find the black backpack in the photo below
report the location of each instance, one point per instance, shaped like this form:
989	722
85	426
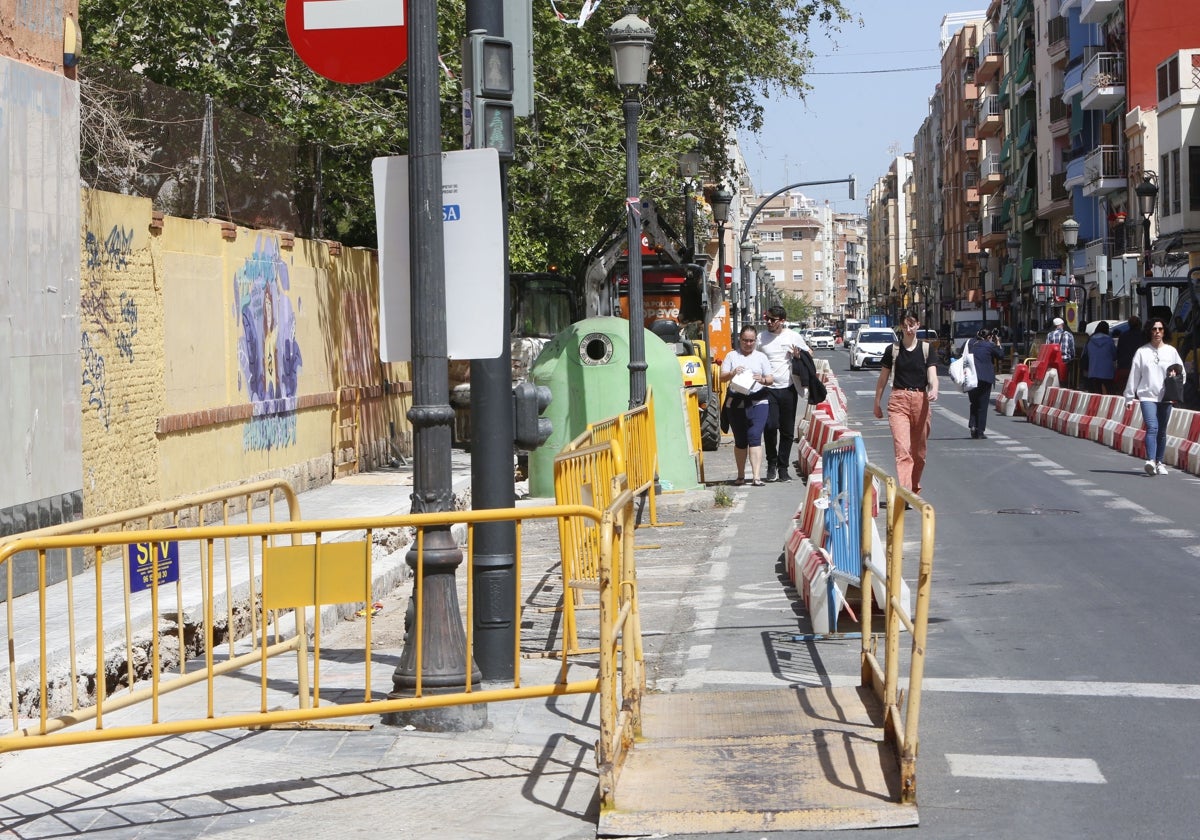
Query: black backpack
806	371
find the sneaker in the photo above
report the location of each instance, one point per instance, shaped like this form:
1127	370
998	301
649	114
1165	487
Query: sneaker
772	475
1150	468
783	476
1160	468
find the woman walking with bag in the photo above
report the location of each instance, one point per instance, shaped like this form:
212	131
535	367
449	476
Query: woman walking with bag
986	353
747	370
911	368
1152	365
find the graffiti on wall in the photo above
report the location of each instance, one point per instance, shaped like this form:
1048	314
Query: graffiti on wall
105	321
269	357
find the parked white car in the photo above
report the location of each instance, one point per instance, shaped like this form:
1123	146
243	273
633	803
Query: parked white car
820	339
868	349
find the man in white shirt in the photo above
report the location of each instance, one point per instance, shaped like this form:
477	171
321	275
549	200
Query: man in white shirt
780	343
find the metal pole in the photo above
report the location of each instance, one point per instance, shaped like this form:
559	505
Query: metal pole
444	649
689	220
493	574
637	319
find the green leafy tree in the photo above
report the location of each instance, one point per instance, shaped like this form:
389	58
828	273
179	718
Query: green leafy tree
798	308
567	181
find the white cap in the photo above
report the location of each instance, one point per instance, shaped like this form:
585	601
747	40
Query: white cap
1058	322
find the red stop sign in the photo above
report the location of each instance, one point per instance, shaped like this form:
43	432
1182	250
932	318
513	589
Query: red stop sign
349	41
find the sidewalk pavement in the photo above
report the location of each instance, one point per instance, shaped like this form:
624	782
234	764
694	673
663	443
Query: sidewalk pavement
529	773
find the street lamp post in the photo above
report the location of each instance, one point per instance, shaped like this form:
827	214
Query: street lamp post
1070	235
752	293
719	202
746	253
982	256
689	169
926	289
630	39
1147	196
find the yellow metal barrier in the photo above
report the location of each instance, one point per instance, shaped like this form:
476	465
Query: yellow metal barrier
583	476
317	572
899	725
694	440
634	430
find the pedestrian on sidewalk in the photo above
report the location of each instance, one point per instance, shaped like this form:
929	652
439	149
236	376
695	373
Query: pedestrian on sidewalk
1147	381
911	368
780	343
1100	360
747	412
1065	340
985	350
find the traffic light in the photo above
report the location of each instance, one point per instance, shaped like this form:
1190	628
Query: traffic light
529	429
488	70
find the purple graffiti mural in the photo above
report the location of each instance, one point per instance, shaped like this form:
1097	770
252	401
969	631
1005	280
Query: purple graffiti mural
269	357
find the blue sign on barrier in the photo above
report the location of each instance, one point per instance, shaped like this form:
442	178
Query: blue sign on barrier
141	564
843	465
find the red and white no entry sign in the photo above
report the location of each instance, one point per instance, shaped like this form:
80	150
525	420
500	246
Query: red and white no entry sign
349	41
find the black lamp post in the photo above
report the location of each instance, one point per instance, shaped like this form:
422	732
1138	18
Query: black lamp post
982	256
631	39
719	202
1147	196
752	294
1070	235
926	290
746	254
689	169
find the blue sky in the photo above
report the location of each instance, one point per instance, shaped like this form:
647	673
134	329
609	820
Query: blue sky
850	119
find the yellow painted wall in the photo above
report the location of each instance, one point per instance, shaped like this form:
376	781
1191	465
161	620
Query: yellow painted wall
218	354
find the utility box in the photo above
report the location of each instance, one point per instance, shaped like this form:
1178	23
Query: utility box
586	368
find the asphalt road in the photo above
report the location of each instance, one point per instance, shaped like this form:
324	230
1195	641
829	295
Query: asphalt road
1061	681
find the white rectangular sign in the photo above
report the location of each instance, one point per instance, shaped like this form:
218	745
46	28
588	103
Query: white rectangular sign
473	226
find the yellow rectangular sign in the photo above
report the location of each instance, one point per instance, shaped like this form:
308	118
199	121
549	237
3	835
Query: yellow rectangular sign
309	575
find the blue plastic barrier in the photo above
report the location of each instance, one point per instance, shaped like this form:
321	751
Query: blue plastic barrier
843	464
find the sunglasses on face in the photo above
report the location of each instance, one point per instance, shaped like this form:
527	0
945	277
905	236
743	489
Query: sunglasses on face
1156	329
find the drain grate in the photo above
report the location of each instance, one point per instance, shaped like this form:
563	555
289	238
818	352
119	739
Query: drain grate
1037	511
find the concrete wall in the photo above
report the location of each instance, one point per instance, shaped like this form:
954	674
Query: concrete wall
214	354
31	31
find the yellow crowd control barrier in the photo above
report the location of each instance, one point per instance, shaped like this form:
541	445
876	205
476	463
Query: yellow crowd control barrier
314	569
587	475
695	442
900	724
634	431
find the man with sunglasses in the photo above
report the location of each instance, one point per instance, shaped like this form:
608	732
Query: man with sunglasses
780	343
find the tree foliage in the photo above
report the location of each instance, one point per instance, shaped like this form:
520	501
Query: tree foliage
799	309
712	62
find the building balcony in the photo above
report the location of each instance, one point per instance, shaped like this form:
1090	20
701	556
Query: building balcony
1072	83
1058	38
1104	171
991	116
991	174
1075	173
1060	196
1097	11
995	231
971	187
1060	116
970	91
1104	81
987	60
970	141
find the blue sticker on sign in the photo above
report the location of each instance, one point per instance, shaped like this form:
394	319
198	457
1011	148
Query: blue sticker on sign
141	564
451	213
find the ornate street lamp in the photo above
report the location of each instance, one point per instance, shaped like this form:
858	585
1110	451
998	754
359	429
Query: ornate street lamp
1147	196
756	282
746	253
631	39
689	170
1070	235
719	201
982	256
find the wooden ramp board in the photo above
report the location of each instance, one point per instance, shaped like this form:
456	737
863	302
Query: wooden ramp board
778	760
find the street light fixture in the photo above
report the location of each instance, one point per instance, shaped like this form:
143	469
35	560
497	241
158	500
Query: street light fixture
982	256
1147	196
1070	235
719	201
755	275
746	254
689	169
630	39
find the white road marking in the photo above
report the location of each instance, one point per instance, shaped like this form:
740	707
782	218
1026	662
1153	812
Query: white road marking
1097	491
1019	449
1059	472
352	14
1026	768
1193	550
1032	456
1065	688
1151	519
1124	504
1079	482
1176	533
